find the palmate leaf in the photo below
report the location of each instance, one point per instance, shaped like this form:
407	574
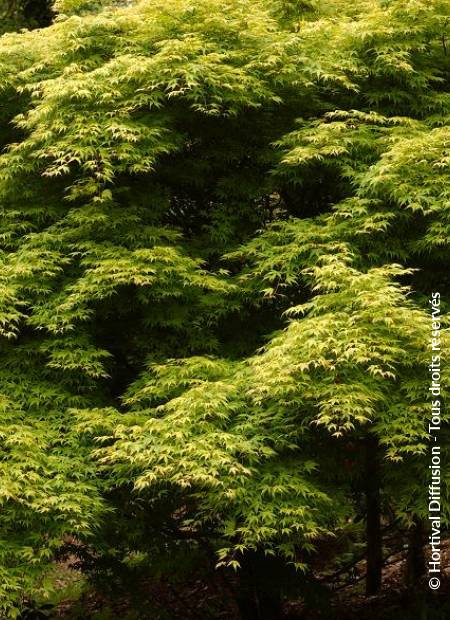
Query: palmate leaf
217	425
202	210
47	484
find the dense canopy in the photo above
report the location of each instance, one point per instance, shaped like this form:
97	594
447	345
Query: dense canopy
220	225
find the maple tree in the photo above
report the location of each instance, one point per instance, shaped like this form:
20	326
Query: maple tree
220	225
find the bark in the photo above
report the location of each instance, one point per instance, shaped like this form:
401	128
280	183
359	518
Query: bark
259	595
416	567
416	600
373	519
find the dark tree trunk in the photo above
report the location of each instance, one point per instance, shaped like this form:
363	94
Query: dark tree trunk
416	567
415	596
373	519
259	596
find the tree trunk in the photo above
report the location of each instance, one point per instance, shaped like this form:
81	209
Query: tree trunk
415	564
259	595
373	519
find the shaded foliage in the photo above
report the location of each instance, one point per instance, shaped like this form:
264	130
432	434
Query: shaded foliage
219	227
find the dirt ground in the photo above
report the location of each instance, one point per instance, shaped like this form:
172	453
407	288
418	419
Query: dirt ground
199	599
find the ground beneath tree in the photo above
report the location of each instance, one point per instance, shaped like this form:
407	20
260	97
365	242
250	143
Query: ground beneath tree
202	599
